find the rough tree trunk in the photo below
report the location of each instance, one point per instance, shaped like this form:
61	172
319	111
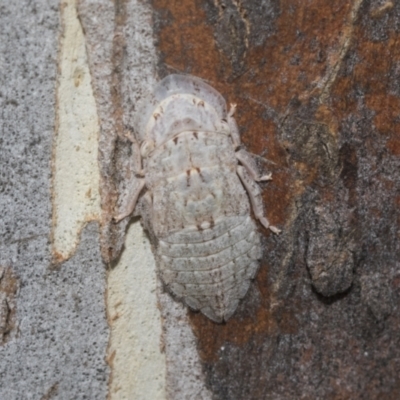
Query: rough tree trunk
317	85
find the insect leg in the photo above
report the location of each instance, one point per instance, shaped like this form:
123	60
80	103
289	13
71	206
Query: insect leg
255	198
128	208
235	135
248	162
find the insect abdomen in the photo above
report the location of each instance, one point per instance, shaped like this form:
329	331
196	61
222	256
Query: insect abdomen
212	268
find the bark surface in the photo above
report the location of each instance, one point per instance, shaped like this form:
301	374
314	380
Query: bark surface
317	86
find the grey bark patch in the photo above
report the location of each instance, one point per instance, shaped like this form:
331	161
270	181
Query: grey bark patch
378	19
312	142
329	251
63	332
62	328
376	294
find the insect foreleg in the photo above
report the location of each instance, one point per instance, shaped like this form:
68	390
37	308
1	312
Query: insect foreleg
130	206
255	198
235	135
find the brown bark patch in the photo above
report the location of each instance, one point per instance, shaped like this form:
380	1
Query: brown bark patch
185	41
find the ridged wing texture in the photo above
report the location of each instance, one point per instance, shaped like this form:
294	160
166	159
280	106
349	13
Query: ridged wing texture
193	181
211	269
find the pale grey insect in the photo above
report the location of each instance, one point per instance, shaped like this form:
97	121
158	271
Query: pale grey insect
196	176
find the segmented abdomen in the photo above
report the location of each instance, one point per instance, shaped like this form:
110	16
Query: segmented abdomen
211	269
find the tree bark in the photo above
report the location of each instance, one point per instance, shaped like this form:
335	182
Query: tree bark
318	95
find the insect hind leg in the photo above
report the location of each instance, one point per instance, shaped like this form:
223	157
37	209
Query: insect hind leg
247	160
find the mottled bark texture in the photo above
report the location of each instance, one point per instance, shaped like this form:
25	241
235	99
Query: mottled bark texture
318	94
53	328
